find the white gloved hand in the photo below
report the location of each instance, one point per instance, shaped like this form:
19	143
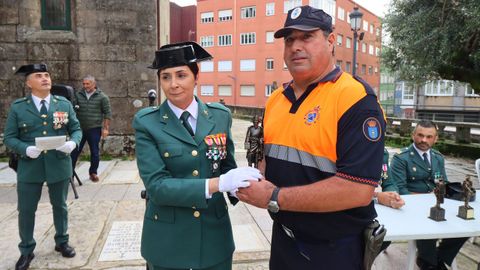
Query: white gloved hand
33	152
238	178
67	147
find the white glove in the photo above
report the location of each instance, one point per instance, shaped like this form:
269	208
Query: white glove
67	147
238	178
33	152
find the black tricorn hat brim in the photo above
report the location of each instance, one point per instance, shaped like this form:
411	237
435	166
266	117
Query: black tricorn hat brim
454	191
179	54
33	68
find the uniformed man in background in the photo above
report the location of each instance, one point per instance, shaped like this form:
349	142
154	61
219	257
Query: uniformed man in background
41	114
416	169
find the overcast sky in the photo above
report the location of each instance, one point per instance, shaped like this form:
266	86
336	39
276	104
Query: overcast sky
378	7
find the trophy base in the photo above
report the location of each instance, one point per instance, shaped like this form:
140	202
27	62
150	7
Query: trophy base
465	212
437	213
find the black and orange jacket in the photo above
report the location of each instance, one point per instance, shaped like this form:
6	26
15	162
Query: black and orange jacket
335	128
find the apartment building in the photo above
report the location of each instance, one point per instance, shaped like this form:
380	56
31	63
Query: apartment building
248	62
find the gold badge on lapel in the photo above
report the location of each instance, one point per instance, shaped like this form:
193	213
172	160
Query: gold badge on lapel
217	149
60	119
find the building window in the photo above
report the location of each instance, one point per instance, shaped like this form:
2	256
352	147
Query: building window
348	17
268	89
329	6
377	51
365	25
225	90
206	90
370	49
406	89
269	38
469	91
224	66
339	63
206	66
247	65
364	47
247	90
225	40
370	70
378	31
225	15
269	64
439	88
290	4
247	38
206	41
270	9
341	14
206	17
348	43
56	15
339	40
348	66
364	69
248	12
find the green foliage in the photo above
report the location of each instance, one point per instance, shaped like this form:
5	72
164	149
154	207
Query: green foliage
432	39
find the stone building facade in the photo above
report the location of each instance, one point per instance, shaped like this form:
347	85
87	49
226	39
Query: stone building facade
113	40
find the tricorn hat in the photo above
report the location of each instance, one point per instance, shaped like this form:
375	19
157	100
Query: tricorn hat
455	191
33	68
179	54
305	18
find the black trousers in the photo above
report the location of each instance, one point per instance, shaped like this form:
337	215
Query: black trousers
446	251
286	253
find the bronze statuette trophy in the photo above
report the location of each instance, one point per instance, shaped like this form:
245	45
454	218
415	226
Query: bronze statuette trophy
437	213
254	142
466	211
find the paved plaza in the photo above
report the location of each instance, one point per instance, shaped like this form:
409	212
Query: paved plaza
106	221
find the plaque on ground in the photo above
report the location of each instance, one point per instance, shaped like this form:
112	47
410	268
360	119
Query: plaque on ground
123	242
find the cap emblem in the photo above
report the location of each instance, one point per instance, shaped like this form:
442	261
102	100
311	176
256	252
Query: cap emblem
296	13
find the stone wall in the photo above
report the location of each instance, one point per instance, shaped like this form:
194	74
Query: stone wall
113	40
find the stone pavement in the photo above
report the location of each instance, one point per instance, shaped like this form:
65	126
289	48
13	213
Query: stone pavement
105	222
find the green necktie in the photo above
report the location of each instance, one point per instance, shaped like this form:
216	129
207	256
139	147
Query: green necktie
425	159
184	120
43	109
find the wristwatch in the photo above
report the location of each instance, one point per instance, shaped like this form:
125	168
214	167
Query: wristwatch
273	204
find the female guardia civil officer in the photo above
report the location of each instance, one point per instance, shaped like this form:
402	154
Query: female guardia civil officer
185	155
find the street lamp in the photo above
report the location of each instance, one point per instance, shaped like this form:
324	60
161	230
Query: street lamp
355	22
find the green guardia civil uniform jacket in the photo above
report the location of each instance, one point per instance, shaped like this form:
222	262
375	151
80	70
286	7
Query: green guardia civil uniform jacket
412	175
181	228
25	123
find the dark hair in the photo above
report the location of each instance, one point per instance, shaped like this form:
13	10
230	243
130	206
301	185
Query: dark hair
425	124
192	66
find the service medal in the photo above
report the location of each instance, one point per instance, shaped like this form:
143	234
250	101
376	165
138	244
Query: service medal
60	119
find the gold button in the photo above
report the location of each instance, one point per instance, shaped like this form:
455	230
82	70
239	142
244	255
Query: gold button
45	151
166	154
44	123
155	217
44	132
195	173
194	153
196	214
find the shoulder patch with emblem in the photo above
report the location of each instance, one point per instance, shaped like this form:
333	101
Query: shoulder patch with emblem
372	129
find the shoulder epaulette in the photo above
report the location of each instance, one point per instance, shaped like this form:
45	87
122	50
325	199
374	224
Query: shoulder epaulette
147	110
216	105
19	100
402	151
436	152
62	98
